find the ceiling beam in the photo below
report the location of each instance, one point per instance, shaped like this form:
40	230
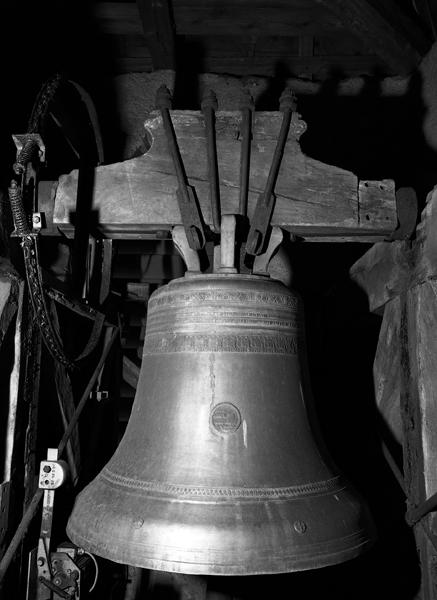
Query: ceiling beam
321	67
383	37
158	31
417	35
117	18
290	19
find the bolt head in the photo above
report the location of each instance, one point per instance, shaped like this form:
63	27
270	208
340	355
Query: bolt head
300	526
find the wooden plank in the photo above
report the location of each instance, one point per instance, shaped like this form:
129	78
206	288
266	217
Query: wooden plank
158	32
410	26
66	408
383	272
135	46
403	278
422	324
239	55
131	372
426	242
312	197
264	65
16	301
387	270
236	18
419	415
9	295
387	375
380	35
118	18
296	17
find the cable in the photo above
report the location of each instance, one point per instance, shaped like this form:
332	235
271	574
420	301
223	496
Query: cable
96	567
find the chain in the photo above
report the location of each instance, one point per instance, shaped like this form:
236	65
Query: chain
30	149
29	239
29	154
43	100
51	339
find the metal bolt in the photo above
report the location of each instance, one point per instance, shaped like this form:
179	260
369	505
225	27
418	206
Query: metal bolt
36	219
300	526
47	469
41	561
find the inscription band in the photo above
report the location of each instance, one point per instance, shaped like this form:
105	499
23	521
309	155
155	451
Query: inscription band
264	344
170	297
295	491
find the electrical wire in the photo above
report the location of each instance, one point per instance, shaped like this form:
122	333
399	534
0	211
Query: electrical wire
96	566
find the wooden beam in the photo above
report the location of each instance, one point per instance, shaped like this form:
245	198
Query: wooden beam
403	277
409	26
388	270
381	36
419	416
118	18
158	31
387	373
263	65
9	295
313	199
131	372
383	272
293	18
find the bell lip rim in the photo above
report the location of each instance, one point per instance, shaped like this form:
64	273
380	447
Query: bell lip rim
325	559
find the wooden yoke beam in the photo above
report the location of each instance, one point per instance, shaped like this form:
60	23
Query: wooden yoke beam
314	200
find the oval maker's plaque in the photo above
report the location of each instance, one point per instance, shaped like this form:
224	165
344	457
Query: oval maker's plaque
225	418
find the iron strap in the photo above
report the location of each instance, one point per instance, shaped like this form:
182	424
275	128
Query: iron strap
188	205
256	239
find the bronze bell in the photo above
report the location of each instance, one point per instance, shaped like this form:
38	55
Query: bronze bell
220	470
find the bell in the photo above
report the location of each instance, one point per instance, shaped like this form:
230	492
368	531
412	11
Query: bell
221	470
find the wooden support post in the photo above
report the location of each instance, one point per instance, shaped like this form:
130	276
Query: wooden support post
387	373
400	278
419	416
158	31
